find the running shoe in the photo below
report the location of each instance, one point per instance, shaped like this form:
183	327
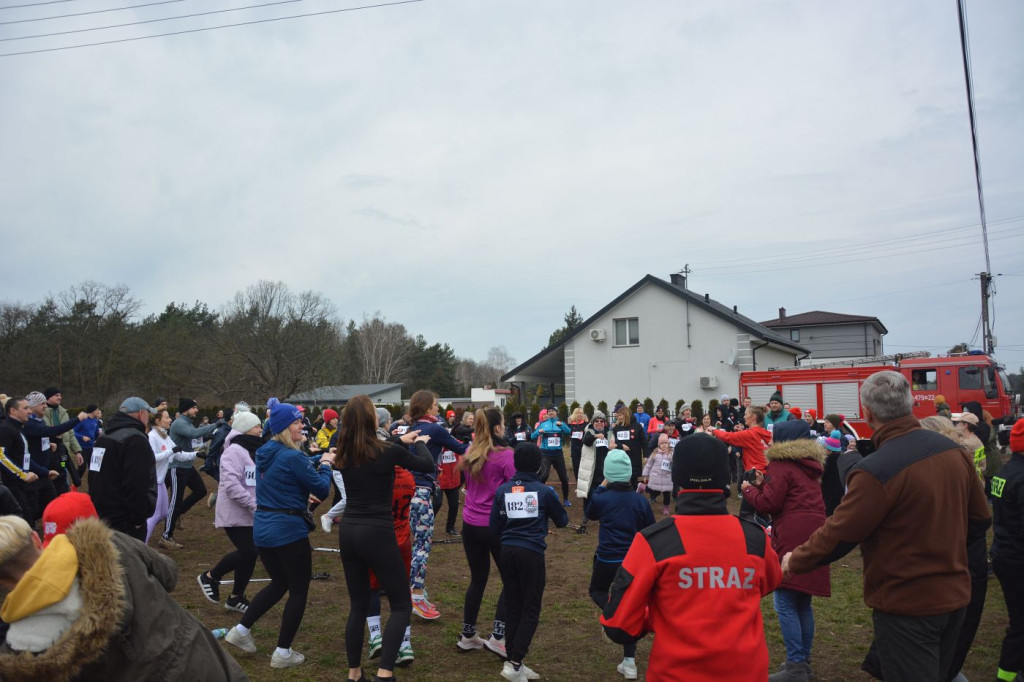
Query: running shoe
210	588
243	642
170	543
325	523
424	609
627	669
566	502
239	604
290	661
453	534
469	643
405	657
376	644
509	672
496	646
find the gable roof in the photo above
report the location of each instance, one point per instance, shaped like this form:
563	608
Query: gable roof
822	317
341	394
709	304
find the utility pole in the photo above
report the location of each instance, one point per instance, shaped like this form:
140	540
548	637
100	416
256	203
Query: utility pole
988	340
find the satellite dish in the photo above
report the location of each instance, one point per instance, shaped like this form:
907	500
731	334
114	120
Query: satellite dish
731	358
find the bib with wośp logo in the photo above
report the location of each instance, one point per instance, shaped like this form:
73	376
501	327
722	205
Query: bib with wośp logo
622	435
447	457
553	442
520	504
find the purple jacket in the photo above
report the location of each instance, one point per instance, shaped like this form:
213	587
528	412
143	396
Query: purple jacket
236	501
499	468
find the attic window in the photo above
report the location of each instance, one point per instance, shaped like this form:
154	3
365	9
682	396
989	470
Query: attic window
794	334
627	331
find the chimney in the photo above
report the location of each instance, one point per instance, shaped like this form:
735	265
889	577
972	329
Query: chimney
707	298
678	279
735	310
782	313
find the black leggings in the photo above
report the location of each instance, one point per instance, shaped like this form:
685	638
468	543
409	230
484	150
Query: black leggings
601	578
242	561
524	575
374	547
666	496
290	568
452	495
558	462
177	504
480	546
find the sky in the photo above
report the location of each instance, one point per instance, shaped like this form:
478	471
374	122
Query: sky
471	169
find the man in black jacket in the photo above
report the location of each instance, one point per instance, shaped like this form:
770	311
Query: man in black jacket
122	472
17	469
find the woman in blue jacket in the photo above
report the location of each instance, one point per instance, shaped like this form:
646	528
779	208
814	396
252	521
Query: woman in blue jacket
284	478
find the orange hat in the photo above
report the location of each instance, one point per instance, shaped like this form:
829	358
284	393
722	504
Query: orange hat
1017	437
449	413
811	411
60	514
795	411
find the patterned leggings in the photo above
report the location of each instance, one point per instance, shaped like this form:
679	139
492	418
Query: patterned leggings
421	521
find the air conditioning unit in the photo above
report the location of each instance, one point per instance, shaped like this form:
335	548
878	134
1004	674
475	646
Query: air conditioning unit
709	382
598	335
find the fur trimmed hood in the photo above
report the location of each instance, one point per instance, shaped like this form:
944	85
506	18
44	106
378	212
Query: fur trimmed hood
805	448
103	607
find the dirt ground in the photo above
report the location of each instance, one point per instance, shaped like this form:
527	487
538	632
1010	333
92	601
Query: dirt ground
568	644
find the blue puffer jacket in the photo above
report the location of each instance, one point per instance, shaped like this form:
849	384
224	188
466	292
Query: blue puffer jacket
548	429
521	511
622	512
284	480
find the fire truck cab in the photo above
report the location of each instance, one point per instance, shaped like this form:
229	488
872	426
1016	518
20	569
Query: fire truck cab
832	388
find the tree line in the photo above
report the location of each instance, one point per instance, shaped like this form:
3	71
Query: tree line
92	341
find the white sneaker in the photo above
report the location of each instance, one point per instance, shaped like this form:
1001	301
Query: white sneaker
627	669
509	672
326	523
279	661
496	646
243	642
469	643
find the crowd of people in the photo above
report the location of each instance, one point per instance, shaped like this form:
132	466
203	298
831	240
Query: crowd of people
917	498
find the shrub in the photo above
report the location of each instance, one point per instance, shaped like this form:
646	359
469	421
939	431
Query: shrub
648	406
588	409
697	409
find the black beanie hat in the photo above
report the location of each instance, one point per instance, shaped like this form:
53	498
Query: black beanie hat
527	457
701	462
51	391
776	397
186	404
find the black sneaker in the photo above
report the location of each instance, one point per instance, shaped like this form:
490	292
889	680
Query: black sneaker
239	604
210	588
453	534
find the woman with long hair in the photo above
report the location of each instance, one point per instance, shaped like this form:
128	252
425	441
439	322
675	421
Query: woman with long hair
488	463
163	452
631	437
577	425
366	534
286	478
423	410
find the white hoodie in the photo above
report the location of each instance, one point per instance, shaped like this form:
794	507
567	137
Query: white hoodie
163	451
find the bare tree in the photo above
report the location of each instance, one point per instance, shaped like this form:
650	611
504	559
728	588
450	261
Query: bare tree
499	359
384	348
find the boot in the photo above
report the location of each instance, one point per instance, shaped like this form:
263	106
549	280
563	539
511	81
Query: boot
790	672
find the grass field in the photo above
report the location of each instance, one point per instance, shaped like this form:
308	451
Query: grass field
568	644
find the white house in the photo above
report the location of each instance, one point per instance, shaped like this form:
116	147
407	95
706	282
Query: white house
658	339
338	396
490	396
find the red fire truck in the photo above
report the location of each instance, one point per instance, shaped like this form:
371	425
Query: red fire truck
834	388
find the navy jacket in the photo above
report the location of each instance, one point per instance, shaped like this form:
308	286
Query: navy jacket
521	511
622	513
36	430
440	439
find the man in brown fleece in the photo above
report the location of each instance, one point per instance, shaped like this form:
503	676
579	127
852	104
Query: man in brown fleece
913	506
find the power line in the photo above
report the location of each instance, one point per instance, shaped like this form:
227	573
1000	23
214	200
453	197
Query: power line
82	14
965	50
154	21
210	28
36	4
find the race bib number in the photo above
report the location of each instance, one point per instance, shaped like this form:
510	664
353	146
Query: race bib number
250	475
522	505
553	442
27	462
622	435
197	443
601	443
97	459
771	428
447	457
687	427
44	443
577	435
672	442
666	465
521	435
401	430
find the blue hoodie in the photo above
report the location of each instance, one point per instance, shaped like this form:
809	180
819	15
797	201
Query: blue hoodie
549	430
521	511
622	512
284	480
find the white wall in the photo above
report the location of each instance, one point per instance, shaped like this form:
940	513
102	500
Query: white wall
661	366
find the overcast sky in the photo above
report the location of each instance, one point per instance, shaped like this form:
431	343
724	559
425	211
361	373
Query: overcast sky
472	169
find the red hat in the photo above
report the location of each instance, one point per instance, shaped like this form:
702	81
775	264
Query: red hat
795	411
450	413
329	414
300	408
64	511
811	411
1017	437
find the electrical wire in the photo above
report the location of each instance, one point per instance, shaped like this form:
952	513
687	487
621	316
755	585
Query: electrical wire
95	11
209	28
36	4
154	21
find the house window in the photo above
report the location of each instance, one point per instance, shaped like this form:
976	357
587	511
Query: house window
627	332
794	334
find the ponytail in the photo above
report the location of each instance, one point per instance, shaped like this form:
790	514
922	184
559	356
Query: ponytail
487	419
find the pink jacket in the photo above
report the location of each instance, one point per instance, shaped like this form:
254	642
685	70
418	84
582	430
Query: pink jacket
236	501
